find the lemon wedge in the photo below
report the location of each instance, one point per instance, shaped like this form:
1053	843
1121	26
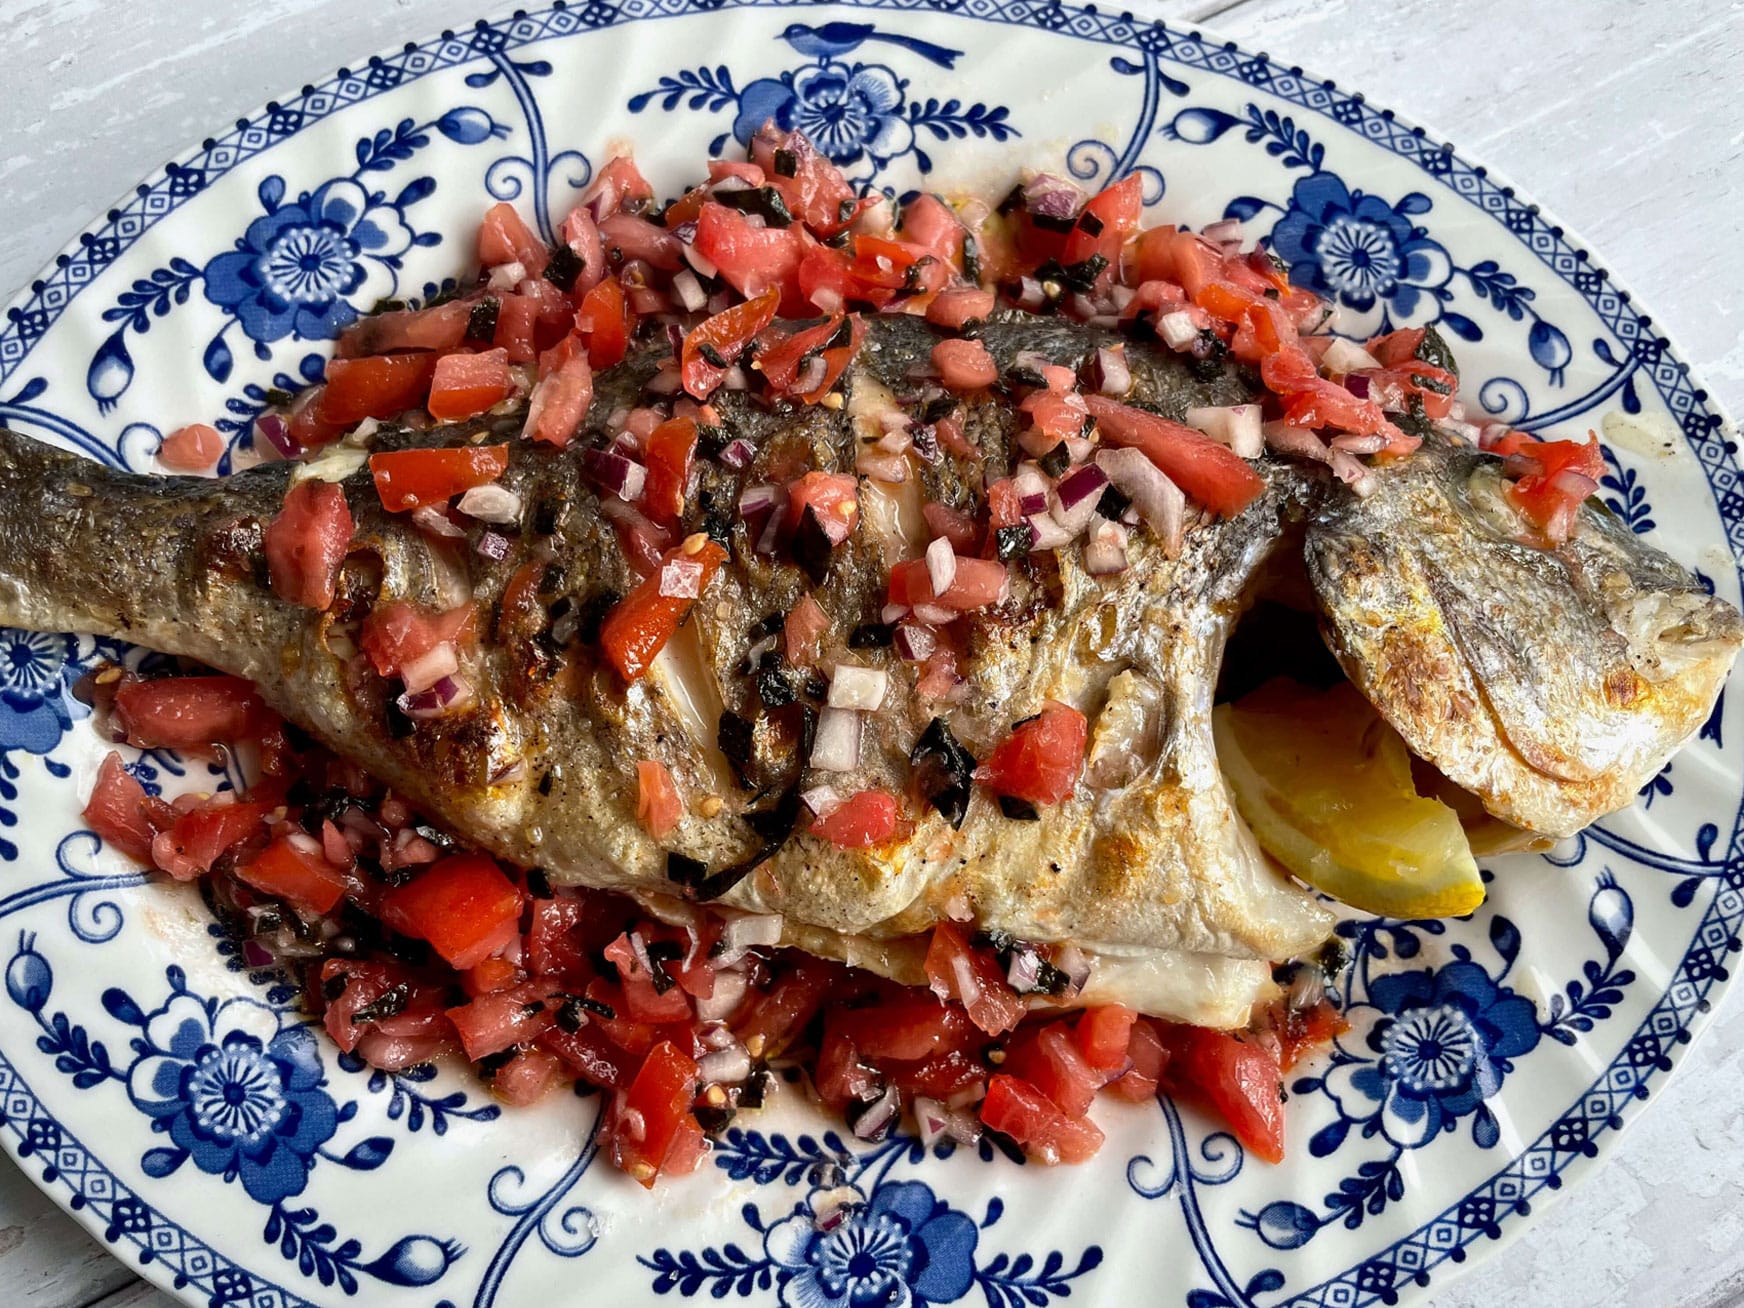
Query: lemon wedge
1326	786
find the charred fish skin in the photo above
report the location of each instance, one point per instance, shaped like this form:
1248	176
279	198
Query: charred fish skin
175	563
1551	683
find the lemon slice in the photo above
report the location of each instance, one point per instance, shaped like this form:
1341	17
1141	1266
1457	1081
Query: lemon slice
1326	786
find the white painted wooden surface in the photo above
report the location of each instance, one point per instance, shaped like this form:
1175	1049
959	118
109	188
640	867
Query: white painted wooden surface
1620	116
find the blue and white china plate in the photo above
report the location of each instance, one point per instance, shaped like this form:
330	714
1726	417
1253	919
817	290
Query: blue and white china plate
177	1103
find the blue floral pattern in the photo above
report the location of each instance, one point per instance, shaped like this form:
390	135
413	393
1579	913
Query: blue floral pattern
35	706
1435	1053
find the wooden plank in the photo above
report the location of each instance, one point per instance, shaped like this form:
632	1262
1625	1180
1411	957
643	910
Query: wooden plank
45	1260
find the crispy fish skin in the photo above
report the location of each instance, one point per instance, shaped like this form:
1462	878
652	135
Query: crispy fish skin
1551	683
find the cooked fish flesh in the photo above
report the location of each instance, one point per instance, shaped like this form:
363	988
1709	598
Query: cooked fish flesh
1548	694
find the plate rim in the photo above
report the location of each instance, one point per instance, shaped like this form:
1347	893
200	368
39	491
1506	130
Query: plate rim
1538	1194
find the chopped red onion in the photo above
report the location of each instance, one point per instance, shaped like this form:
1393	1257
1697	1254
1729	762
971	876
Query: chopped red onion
1159	501
753	930
1049	534
681	579
445	696
759	499
892	613
737	454
430	667
1081	484
1358	385
625	443
730	183
254	954
1222	231
1109	371
811	375
821	801
856	687
1234	425
1024	973
729	991
1052	197
1344	356
1076	964
1464	433
724	1066
1319	318
664	382
1030	294
734	379
896	442
493	545
491	503
836	747
889	468
507	276
915	643
1032	489
941	561
688	290
935	615
1575	485
875	1119
434	519
1177	329
615	473
273	429
1105	550
769	540
1353	444
1306	445
931	1118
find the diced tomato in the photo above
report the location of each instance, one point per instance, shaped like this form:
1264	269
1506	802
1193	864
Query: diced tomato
643	621
504	237
754	260
669	455
660	1096
1039	760
1017	1109
582	235
953	309
1303	1031
1105	223
1236	1078
619	185
114	810
629	237
194	448
964	365
361	985
1148	1057
1104	1034
492	976
939	1077
554	949
833	497
870	817
781	362
644	999
201	834
1550	498
954	525
814	188
1397	347
559	403
604	318
592	1055
838	1074
1208	472
958	972
463	905
1047	1058
724	337
379	386
929	221
527	1077
186	712
1004	503
308	428
517	321
1313	401
492	1023
306	543
293	868
465	385
399	632
909	1025
440	328
410	479
803	632
658	807
788	1007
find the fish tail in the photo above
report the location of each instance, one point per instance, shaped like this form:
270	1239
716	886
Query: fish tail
88	548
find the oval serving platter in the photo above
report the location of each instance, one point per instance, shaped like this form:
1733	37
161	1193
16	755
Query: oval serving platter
176	1102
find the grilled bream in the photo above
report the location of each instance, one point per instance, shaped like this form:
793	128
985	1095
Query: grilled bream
1550	683
1148	865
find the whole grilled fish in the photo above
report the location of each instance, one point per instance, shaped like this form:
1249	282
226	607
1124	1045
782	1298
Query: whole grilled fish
1516	690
